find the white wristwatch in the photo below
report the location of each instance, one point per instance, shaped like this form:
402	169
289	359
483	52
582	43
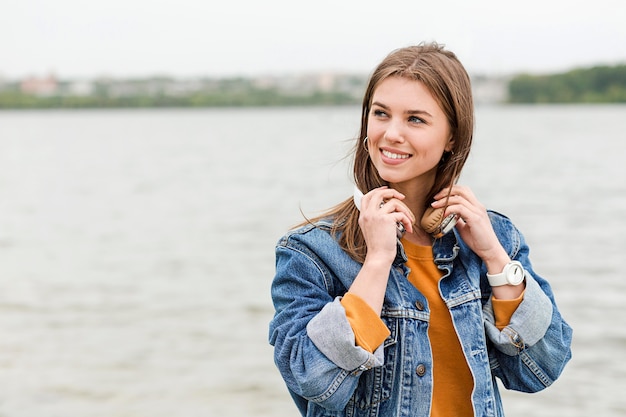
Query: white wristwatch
512	274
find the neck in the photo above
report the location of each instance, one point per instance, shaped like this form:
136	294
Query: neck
415	196
419	237
415	199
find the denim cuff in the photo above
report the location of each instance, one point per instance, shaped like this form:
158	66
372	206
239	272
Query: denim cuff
528	324
332	334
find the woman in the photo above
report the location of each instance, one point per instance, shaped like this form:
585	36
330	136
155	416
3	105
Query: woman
371	321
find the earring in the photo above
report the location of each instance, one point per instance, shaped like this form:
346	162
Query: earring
365	143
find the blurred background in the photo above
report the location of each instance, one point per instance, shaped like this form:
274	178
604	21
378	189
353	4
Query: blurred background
152	153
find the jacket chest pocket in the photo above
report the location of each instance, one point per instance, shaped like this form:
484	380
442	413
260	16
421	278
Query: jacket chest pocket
376	384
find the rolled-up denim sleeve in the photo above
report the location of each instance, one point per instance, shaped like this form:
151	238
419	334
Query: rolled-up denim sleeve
332	334
529	353
314	347
529	322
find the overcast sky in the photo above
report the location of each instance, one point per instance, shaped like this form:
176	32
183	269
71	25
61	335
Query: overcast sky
186	38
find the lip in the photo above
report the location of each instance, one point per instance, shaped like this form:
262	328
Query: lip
394	160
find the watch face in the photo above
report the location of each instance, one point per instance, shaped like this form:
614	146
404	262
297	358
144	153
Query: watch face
515	274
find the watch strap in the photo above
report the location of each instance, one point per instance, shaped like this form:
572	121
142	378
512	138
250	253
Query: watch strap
498	280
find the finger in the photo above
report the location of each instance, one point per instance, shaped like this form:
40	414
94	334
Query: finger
390	193
404	220
451	201
392	212
467	194
468	214
459	202
452	191
442	193
442	198
456	191
380	195
371	199
395	205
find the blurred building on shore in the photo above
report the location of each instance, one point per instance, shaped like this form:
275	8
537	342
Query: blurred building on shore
40	86
486	89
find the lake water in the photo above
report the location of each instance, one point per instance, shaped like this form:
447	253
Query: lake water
137	249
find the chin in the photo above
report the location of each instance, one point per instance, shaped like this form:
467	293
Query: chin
394	177
394	180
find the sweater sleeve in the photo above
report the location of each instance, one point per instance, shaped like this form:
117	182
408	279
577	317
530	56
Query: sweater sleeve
503	310
369	330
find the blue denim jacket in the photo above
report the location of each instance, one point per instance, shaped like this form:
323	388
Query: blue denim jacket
328	375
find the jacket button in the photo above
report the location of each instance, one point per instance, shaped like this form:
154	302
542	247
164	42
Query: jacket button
420	370
419	305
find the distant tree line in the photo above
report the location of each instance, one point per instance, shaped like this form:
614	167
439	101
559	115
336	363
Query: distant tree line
600	84
252	97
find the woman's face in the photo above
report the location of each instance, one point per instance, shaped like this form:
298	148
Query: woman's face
408	133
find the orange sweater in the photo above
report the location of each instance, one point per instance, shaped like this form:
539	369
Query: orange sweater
453	382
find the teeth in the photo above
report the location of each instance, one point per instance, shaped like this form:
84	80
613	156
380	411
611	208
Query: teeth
395	155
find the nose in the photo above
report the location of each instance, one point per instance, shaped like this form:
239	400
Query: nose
394	132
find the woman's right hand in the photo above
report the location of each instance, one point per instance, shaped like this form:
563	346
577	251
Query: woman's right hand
381	210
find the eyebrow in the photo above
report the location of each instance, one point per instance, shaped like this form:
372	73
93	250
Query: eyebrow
420	112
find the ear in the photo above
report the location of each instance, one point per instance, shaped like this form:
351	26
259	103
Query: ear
450	144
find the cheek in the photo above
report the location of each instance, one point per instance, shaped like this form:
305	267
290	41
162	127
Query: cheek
374	137
374	127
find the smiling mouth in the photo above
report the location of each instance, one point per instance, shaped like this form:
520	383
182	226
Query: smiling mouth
392	155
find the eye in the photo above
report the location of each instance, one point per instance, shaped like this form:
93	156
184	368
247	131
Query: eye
415	119
379	113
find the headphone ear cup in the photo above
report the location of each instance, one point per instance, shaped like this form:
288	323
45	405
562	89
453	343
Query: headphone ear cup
431	219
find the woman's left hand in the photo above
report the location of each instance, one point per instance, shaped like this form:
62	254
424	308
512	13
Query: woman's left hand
473	224
476	230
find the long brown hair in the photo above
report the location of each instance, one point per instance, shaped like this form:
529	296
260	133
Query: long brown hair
445	77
